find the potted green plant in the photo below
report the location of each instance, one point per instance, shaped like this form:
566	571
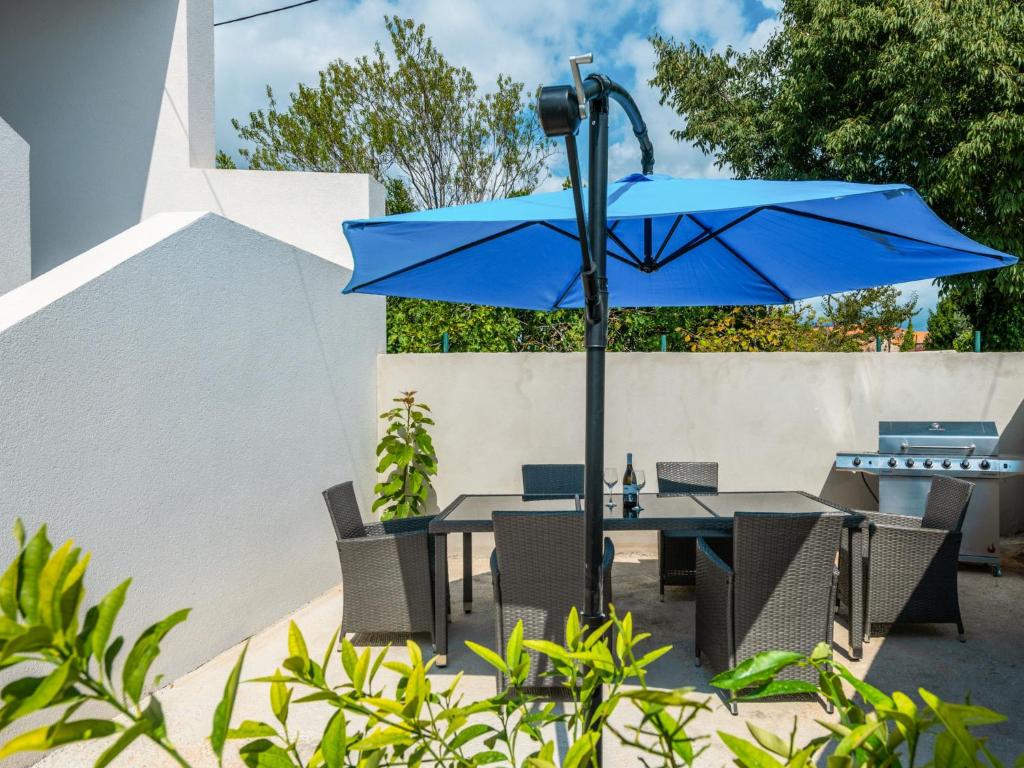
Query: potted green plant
406	454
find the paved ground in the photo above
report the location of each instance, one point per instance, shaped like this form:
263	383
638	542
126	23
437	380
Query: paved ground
988	667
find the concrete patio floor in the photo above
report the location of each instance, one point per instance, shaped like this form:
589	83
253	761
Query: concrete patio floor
988	667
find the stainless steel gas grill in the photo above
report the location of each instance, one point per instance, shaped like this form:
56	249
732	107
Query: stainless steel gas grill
910	453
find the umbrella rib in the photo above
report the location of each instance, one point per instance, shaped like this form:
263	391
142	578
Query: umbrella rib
668	237
877	231
452	252
623	246
701	239
571	236
747	264
565	291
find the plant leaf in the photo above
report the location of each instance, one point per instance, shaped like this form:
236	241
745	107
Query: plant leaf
109	607
33	559
60	733
144	652
750	756
756	669
140	728
226	707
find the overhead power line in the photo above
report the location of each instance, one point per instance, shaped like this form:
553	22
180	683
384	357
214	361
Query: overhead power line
263	13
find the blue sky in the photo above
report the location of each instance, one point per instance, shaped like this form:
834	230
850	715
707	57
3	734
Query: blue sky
530	40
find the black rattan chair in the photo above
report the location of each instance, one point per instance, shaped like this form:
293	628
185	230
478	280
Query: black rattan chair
777	594
386	568
910	568
677	549
538	579
553	481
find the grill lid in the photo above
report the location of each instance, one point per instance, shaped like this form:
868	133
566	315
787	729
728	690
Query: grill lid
975	438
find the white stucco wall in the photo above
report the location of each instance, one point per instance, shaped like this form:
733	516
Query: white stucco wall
772	421
15	221
116	101
175	400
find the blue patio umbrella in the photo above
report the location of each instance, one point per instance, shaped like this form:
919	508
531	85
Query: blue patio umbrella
671	242
650	240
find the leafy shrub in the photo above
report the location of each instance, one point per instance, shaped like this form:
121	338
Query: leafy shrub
874	728
410	723
407	454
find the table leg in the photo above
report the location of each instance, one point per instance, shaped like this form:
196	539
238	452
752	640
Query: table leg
856	593
440	598
467	571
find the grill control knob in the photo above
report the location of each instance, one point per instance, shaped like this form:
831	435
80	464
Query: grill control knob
892	462
928	463
856	461
946	463
965	464
984	464
910	462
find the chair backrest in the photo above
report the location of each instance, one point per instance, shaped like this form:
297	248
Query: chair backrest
540	562
684	477
783	565
946	507
553	480
344	509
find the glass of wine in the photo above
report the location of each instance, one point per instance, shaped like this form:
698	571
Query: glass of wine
611	478
641	481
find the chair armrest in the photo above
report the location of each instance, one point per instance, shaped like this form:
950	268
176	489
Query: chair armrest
714	628
894	550
713	559
494	564
932	537
400	525
385	545
872	519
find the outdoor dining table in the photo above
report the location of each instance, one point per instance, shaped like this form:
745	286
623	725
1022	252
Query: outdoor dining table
700	515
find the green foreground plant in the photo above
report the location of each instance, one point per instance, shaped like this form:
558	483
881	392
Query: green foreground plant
405	721
406	453
873	728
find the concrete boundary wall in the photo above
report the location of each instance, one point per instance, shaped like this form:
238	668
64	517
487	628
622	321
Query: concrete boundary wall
772	420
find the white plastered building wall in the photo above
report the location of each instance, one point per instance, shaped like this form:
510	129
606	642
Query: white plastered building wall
176	389
115	99
15	231
175	400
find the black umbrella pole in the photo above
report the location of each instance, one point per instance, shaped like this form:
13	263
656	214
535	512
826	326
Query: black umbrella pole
596	341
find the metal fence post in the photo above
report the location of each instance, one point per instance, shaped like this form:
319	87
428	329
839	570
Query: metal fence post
977	341
444	341
664	343
878	343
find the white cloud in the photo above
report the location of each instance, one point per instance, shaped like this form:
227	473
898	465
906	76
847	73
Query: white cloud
527	39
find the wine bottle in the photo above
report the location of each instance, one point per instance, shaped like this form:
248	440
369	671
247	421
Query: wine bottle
629	489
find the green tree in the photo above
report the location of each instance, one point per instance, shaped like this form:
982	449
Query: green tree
859	317
422	126
225	161
948	327
908	343
917	91
422	119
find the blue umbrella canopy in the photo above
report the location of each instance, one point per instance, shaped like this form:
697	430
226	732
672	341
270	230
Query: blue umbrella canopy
671	242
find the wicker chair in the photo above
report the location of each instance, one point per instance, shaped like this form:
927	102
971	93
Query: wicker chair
537	578
386	568
553	481
676	549
777	594
910	567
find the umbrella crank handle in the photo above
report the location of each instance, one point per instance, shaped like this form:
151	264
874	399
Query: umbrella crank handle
577	79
